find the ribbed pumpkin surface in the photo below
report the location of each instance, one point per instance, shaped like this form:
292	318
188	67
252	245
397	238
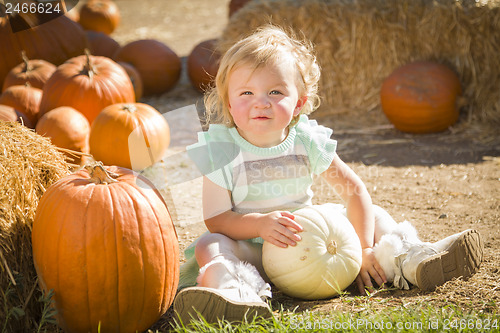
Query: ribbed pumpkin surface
88	84
109	252
130	135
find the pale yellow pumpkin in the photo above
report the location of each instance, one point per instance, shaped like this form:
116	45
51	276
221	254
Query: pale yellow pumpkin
321	265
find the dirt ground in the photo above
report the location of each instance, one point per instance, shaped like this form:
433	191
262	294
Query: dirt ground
443	183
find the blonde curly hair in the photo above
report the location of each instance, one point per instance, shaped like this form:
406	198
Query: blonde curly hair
268	45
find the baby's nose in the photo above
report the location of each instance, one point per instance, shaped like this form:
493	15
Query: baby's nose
263	102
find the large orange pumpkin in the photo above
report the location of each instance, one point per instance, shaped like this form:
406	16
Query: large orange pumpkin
421	97
25	99
133	136
67	128
104	242
34	71
99	15
203	63
159	66
88	84
54	41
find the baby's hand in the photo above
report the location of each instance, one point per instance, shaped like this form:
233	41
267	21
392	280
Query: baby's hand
370	269
278	228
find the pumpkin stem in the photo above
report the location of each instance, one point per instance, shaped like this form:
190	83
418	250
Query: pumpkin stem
129	108
332	247
27	66
89	67
99	175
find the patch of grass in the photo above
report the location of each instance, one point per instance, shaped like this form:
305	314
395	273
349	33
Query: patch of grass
405	318
48	311
14	316
11	312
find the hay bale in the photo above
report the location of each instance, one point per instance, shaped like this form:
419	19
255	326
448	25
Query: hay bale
29	163
359	43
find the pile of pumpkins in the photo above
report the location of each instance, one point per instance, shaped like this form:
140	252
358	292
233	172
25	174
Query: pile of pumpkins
82	91
103	239
71	81
87	104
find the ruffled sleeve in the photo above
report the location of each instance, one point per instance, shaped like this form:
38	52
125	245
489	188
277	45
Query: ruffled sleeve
319	146
214	154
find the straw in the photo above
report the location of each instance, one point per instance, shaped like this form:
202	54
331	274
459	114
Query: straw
29	164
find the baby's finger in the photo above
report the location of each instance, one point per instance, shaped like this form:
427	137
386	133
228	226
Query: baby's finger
376	276
288	214
364	282
289	223
277	243
380	272
281	240
288	231
361	285
367	281
288	236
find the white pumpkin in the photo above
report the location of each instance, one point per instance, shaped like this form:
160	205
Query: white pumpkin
321	265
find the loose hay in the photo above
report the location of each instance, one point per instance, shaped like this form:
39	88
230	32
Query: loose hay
29	163
359	43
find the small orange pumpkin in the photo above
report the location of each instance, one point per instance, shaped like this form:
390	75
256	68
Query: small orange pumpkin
159	66
421	97
8	113
66	128
133	135
235	5
100	15
203	63
88	84
104	242
101	44
24	99
34	71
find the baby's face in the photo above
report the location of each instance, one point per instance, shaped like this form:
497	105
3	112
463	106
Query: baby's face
263	102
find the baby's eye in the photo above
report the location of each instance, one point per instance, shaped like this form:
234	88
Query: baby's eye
275	92
246	93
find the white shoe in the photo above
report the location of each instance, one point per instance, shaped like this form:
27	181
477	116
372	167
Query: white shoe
461	258
235	291
407	260
217	304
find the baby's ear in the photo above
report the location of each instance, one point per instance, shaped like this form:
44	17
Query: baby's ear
300	104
